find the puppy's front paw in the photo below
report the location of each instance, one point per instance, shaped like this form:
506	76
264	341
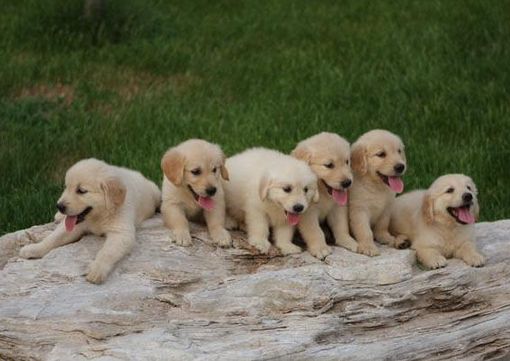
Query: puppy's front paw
262	245
320	252
222	238
182	238
368	249
347	242
402	242
97	273
31	251
289	248
434	262
474	259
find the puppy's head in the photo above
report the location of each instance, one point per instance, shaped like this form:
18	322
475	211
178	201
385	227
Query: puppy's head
451	200
91	190
196	165
379	156
292	188
328	155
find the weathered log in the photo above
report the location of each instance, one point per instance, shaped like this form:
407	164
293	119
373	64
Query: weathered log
166	302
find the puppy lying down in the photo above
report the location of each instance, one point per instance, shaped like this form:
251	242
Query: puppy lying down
440	221
268	189
103	200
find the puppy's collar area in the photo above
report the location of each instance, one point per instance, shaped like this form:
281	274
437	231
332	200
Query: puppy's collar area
462	214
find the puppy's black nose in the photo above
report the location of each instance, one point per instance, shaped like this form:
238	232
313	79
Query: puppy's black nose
210	191
298	208
346	183
61	207
399	168
467	197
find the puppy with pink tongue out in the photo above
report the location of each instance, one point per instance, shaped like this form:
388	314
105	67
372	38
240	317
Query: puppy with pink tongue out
439	221
269	190
192	190
379	162
328	155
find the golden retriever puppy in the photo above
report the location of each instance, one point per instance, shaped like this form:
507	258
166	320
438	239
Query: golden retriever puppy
440	221
192	189
268	189
378	162
103	200
328	155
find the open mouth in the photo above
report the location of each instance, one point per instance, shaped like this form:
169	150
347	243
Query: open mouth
462	214
394	182
340	196
292	218
206	203
72	221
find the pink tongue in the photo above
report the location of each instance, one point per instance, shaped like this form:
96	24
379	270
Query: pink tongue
70	222
206	203
465	216
341	197
292	218
396	184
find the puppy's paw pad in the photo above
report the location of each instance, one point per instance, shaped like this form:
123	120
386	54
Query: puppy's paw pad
222	238
368	249
320	252
30	251
262	246
181	238
475	260
290	248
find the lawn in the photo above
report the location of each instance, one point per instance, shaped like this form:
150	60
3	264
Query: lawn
152	73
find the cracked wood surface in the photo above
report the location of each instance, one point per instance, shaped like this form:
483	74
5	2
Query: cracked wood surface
166	302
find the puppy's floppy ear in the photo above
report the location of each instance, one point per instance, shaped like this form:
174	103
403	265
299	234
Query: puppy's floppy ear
427	208
114	191
172	165
223	169
264	185
359	158
302	152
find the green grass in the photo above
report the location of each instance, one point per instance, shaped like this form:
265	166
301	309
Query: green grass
246	73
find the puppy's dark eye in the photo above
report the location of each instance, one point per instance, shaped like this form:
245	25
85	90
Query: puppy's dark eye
381	154
196	171
214	169
347	162
81	190
469	187
305	189
329	165
287	189
450	190
400	151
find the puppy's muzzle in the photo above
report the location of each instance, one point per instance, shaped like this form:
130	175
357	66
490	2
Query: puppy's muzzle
298	208
61	207
399	168
467	198
346	183
211	191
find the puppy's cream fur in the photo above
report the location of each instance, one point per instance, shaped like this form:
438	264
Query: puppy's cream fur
264	187
119	199
374	156
328	155
190	169
436	234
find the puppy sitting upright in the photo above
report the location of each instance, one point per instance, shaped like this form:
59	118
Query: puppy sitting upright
100	199
192	189
439	221
328	155
269	189
378	162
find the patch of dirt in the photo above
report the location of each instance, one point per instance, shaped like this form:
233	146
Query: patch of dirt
57	92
